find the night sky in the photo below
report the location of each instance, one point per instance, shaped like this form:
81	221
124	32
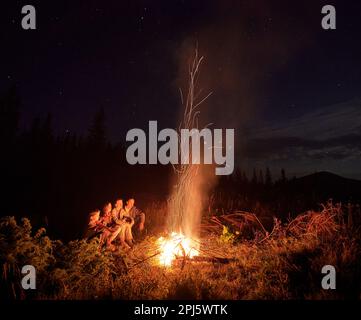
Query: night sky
290	89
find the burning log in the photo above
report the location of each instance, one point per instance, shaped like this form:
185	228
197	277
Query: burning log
208	259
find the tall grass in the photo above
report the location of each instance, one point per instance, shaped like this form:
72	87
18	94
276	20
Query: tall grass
280	262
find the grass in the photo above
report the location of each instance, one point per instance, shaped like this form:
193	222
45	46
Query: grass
286	268
283	263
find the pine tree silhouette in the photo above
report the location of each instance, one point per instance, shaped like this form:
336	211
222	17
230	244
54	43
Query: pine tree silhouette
9	115
283	176
261	178
268	177
244	177
254	177
97	131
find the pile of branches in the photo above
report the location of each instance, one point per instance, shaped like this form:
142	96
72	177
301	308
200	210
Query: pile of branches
321	224
243	224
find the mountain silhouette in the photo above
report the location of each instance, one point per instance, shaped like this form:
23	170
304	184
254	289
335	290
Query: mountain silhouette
324	185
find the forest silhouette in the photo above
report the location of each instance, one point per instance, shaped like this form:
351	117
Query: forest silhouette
56	180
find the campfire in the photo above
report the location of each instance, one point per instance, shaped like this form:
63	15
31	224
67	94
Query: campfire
185	202
174	246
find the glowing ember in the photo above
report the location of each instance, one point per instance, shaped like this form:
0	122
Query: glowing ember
176	245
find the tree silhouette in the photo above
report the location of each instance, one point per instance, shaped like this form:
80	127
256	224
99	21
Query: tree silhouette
244	177
283	176
9	116
97	132
254	177
268	180
261	178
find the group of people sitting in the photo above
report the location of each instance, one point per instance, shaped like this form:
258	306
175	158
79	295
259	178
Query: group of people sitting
116	222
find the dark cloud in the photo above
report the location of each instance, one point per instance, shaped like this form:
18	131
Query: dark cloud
332	132
290	147
326	138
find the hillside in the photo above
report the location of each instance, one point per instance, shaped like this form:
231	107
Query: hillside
323	185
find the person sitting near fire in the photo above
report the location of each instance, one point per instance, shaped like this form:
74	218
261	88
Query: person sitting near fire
136	214
125	223
107	213
98	225
95	226
112	228
118	210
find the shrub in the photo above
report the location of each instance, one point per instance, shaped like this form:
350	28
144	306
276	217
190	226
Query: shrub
18	247
284	263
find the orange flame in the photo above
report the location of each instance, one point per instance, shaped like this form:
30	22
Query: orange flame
176	245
